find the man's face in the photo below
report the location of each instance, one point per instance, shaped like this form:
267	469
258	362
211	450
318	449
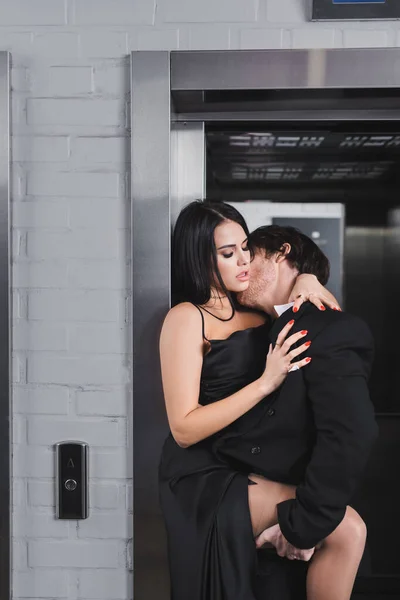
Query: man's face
263	275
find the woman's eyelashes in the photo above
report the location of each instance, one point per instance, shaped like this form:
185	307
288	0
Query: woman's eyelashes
246	249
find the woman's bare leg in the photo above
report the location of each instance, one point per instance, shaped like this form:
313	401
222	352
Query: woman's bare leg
263	499
334	566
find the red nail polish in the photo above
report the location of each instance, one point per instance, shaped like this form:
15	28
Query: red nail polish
304	332
308	359
322	307
307	344
291	322
295	309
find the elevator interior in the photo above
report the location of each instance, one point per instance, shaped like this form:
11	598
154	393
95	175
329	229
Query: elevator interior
316	131
325	165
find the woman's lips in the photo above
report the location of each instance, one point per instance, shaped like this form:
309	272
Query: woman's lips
243	276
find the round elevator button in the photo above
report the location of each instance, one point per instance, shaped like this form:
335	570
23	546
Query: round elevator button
70	485
256	450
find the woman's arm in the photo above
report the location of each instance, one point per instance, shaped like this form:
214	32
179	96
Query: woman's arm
181	352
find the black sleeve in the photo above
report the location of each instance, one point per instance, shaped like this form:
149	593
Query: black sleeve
346	429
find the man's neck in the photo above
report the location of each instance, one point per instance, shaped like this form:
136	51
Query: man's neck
282	299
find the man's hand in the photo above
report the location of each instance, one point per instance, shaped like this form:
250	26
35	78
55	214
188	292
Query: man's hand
274	536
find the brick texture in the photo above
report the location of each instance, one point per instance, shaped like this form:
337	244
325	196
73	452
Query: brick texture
70	253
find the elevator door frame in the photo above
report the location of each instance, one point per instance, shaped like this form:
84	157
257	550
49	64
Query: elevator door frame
160	187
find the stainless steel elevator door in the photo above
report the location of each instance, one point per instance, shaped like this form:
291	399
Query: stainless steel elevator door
372	286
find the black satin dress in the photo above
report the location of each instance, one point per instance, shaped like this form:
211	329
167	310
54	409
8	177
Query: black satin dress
204	498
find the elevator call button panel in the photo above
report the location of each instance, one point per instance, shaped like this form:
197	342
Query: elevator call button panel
72	480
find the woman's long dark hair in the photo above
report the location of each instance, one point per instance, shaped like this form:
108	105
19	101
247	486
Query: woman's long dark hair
194	255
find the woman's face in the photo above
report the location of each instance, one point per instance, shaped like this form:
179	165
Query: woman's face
233	256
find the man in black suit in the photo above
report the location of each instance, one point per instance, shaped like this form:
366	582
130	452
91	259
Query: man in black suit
316	432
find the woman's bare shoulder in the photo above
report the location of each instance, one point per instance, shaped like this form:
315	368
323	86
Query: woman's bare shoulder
184	314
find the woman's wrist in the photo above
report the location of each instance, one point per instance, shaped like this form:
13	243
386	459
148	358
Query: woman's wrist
264	386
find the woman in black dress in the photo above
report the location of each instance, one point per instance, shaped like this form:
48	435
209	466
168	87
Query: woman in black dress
217	366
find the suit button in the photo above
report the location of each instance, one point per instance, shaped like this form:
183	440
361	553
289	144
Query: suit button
271	412
256	450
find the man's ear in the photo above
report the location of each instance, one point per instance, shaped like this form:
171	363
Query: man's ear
283	252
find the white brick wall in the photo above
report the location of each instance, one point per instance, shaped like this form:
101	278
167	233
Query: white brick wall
70	82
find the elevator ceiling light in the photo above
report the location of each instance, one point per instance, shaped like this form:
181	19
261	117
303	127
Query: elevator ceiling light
269	140
307	172
262	173
306	157
343	171
305	140
370	141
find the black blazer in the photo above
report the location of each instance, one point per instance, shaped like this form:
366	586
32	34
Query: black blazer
316	431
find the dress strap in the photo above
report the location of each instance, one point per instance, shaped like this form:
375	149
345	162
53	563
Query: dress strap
202	322
220	318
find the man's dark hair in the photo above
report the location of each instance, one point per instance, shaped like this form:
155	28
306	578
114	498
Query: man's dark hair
304	255
194	255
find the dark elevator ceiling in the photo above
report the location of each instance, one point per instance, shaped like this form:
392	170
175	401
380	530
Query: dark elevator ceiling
348	162
302	155
301	145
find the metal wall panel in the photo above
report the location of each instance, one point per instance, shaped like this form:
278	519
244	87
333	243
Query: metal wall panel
5	362
167	173
150	188
285	69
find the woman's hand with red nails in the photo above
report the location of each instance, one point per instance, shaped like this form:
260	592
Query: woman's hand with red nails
308	288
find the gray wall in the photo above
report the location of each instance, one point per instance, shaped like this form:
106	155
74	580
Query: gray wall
71	341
